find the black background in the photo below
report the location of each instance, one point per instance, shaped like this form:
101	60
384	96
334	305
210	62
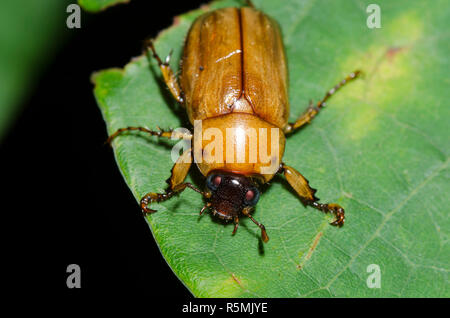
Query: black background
66	201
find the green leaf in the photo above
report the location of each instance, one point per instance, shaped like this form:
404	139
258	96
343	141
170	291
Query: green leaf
99	5
380	149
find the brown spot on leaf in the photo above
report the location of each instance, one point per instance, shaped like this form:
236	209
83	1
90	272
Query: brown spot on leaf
236	280
311	250
313	247
393	51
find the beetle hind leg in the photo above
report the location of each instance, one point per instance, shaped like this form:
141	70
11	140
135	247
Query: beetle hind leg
307	194
168	74
313	110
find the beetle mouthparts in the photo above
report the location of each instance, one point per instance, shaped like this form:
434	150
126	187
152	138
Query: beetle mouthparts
222	215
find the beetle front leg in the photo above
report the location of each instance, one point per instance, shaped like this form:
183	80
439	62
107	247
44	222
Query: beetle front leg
313	110
264	236
236	224
307	194
169	76
160	197
176	183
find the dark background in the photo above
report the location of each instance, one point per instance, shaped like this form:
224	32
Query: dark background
66	201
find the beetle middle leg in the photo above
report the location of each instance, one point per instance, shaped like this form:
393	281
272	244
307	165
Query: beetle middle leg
313	110
169	76
158	133
178	173
307	194
236	224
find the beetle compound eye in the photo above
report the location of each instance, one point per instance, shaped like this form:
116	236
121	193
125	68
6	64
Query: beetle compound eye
217	180
213	181
252	196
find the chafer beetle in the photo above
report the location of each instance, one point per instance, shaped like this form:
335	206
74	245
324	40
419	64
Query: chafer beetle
234	76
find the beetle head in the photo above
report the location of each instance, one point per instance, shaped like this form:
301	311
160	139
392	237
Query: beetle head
230	193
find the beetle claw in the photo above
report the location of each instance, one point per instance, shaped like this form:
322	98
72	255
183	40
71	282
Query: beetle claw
146	200
339	213
145	209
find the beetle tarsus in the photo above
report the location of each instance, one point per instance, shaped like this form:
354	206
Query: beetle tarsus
307	194
312	111
145	202
160	133
264	235
338	86
149	44
334	208
168	74
152	197
339	213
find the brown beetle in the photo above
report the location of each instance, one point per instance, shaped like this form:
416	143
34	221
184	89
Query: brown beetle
234	76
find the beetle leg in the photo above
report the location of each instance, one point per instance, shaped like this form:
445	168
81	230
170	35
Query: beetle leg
236	224
176	185
264	235
160	197
169	76
207	205
159	133
249	3
306	193
313	110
